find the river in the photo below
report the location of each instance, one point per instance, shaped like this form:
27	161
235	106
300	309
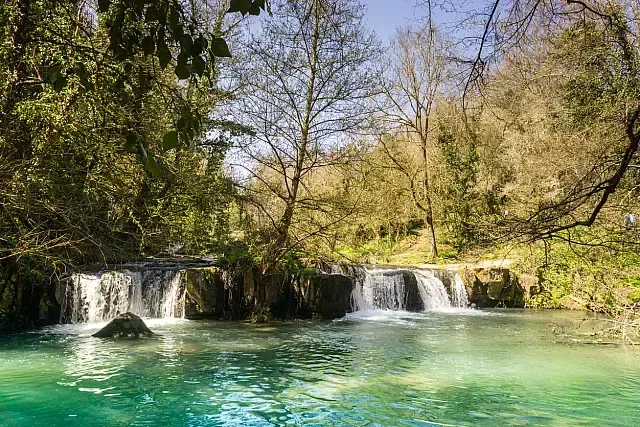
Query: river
375	368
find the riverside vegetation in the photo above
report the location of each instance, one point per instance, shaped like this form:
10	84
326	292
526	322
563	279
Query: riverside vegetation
130	128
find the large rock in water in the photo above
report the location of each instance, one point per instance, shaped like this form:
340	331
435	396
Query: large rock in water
125	325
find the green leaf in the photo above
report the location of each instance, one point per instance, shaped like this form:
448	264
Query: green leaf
81	72
241	6
59	82
198	46
151	14
170	140
131	145
220	48
141	4
52	73
151	165
177	32
182	71
164	56
182	59
174	18
254	10
198	65
103	5
148	45
186	43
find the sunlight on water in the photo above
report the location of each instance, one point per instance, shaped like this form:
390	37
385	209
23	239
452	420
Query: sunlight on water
383	368
408	317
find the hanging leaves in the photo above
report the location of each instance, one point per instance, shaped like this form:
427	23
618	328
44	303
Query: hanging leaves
170	140
248	6
220	48
165	30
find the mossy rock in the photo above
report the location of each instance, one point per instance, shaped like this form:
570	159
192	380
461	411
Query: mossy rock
126	325
492	287
324	296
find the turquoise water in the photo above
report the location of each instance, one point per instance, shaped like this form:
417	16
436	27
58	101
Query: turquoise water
389	369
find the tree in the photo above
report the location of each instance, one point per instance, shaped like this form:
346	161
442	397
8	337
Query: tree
413	80
308	86
608	76
73	117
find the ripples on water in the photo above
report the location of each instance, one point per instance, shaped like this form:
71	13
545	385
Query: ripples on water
376	368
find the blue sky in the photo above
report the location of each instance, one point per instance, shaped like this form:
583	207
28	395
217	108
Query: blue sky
383	16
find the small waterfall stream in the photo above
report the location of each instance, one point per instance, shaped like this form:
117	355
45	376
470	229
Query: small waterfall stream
432	290
403	289
99	297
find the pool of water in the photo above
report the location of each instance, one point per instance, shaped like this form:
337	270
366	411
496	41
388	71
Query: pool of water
480	368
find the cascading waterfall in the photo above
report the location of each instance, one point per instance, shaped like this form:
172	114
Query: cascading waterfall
380	289
398	289
434	294
459	297
91	298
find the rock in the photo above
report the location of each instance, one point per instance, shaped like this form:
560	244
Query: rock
275	292
205	293
493	287
125	325
412	298
530	284
326	296
26	301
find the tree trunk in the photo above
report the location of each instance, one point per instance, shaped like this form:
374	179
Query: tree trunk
433	246
428	209
277	249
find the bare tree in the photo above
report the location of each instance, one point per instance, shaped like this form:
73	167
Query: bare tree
308	87
414	77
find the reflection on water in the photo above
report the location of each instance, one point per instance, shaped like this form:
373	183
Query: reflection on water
383	368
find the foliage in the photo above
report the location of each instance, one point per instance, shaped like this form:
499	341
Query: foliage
90	165
114	143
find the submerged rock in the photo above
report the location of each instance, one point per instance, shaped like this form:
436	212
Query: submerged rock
125	325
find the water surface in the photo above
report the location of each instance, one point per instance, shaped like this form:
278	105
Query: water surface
456	367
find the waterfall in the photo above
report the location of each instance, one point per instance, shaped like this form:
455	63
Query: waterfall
459	296
379	289
403	289
99	297
434	294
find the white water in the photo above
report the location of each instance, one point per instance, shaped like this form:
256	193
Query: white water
459	297
381	289
385	289
95	298
432	290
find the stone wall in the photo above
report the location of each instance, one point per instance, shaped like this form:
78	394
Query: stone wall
213	292
325	296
